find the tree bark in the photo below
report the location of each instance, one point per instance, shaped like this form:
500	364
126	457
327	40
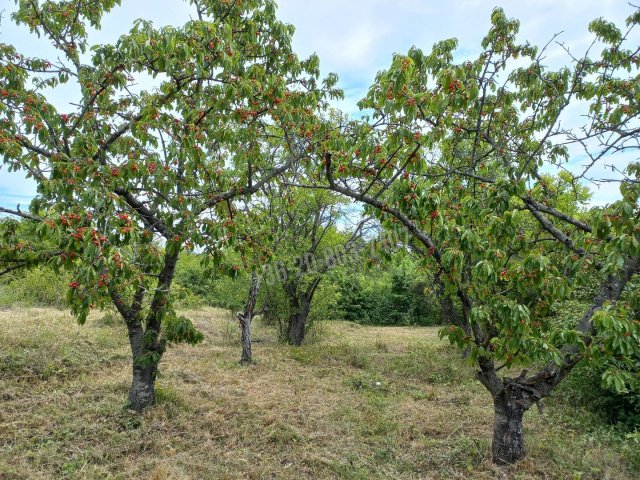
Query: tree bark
245	327
146	346
508	429
298	321
246	317
511	399
142	392
296	329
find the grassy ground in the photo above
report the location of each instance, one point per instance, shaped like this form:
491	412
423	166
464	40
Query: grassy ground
355	403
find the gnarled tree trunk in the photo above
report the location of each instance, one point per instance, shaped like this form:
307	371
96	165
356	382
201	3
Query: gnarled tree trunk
142	393
507	446
297	324
246	317
300	306
512	397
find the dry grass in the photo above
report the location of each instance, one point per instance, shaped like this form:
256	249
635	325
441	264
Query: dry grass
357	403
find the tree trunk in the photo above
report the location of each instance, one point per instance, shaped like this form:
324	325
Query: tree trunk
295	335
300	305
245	326
142	392
511	398
298	322
246	317
508	430
146	346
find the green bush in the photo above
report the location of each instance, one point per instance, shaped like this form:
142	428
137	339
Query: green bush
274	302
202	287
38	287
585	386
393	297
325	301
392	294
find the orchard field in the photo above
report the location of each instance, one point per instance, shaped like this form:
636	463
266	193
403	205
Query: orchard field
216	262
355	402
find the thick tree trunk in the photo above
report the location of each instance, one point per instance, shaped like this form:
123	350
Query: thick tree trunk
295	334
142	392
511	398
508	430
246	317
146	346
300	305
298	320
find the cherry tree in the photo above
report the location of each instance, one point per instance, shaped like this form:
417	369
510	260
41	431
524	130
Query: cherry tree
484	163
165	128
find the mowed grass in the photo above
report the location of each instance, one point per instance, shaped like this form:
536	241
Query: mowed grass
355	402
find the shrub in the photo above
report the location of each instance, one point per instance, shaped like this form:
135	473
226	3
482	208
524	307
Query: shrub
395	297
200	286
38	287
585	388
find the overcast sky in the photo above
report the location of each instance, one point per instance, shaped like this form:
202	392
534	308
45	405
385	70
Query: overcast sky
356	38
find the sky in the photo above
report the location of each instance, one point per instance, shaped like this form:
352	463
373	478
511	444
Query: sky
357	38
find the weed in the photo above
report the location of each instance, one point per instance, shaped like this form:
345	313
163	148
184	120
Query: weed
230	333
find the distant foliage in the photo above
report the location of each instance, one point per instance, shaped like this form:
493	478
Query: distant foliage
394	296
39	287
200	286
393	293
585	388
275	308
325	303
